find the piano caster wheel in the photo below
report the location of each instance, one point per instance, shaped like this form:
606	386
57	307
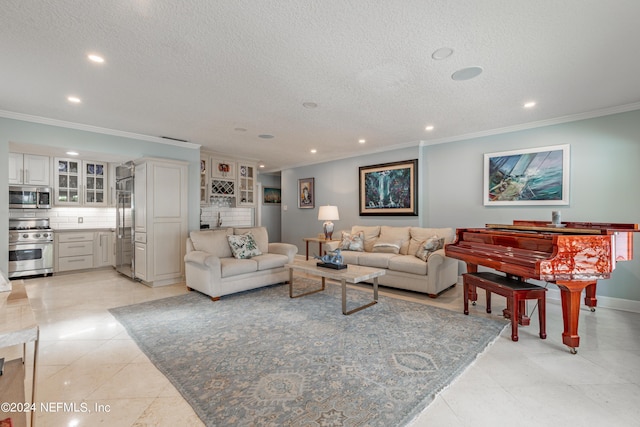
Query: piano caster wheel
473	303
573	350
593	309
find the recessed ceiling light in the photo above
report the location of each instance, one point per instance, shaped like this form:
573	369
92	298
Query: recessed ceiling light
96	58
309	105
442	53
362	141
314	151
429	128
261	165
72	153
466	73
73	99
265	136
240	129
529	104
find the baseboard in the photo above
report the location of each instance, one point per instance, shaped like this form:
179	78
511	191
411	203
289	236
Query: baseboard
603	301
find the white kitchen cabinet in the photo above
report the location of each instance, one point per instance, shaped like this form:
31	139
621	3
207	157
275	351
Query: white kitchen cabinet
222	168
80	183
74	251
246	194
29	169
204	180
103	249
160	220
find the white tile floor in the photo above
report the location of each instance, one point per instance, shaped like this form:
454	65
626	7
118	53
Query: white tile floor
86	356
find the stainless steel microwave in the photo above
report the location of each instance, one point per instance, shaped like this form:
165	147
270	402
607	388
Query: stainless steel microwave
29	197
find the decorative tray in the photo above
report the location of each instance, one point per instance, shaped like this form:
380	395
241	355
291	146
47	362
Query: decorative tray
334	266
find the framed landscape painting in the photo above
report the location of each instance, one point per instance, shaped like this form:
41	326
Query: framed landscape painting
306	197
389	189
535	176
271	196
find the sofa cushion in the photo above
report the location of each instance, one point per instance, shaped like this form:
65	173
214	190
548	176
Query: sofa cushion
232	267
243	246
260	235
269	261
352	242
419	235
396	233
370	235
429	246
377	260
408	264
350	257
213	242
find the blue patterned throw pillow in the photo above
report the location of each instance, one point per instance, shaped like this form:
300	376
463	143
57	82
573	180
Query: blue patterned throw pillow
429	246
243	246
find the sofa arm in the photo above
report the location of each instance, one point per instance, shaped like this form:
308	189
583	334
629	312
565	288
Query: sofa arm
283	249
202	258
331	246
436	259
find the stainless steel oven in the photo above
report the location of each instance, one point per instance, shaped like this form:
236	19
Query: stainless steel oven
30	247
24	197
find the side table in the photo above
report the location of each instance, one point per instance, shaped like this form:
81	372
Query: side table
320	241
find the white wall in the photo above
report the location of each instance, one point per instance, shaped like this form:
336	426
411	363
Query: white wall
605	182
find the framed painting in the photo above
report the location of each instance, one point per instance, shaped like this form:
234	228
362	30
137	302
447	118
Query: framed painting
306	197
271	196
534	176
389	189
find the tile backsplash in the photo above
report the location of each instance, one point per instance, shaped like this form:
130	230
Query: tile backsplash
230	217
70	217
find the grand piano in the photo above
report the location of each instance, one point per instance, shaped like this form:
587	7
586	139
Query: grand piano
572	255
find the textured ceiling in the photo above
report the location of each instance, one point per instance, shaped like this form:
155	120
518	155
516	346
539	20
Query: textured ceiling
199	70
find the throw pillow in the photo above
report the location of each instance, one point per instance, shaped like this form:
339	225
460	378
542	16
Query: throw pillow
352	242
429	246
243	246
387	246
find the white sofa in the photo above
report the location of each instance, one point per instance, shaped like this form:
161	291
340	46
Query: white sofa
211	268
404	270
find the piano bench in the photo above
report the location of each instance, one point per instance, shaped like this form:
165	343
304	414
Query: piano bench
515	291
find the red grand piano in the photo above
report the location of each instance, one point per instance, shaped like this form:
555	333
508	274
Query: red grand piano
573	255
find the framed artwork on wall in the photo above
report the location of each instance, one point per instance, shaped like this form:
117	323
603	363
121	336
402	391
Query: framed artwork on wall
271	196
389	189
534	176
306	197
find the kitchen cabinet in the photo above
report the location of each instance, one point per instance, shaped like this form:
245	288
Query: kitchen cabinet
204	180
74	251
246	184
161	226
80	182
103	249
221	168
29	169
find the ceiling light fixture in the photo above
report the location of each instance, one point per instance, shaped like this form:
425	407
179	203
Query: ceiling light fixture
96	58
429	128
529	104
240	129
72	153
361	141
442	53
314	151
261	165
466	73
74	99
309	105
265	136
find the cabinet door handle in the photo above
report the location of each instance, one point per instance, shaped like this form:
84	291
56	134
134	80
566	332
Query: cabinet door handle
76	247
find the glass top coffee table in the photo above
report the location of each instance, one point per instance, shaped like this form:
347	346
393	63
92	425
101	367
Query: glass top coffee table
351	274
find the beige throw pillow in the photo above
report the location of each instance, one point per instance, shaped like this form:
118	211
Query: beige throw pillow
387	246
429	246
352	242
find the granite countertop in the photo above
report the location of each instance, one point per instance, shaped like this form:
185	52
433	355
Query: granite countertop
77	230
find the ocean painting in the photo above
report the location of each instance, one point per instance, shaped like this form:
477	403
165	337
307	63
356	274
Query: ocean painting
534	176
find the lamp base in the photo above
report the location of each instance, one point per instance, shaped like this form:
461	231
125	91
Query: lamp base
328	230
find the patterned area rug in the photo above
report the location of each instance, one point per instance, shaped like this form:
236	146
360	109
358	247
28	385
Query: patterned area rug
259	358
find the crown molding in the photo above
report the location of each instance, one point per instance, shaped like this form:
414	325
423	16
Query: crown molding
96	129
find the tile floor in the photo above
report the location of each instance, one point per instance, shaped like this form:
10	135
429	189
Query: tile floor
86	356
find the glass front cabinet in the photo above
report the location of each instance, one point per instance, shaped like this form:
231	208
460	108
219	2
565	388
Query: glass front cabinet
80	183
246	184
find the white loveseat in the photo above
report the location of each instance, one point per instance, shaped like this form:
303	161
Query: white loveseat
211	268
394	249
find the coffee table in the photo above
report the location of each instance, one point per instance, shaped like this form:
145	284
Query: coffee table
351	274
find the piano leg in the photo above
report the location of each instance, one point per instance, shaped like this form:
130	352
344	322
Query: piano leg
570	293
590	299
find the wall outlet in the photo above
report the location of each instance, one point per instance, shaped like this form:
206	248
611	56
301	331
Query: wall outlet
284	208
80	220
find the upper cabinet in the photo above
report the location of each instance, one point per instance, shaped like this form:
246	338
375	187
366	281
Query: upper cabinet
80	183
29	169
221	168
204	168
246	184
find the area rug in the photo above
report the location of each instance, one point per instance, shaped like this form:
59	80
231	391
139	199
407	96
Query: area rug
259	358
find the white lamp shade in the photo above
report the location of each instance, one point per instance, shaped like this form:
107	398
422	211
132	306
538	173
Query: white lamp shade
328	213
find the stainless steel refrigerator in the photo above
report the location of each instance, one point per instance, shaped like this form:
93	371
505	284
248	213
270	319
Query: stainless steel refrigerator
125	254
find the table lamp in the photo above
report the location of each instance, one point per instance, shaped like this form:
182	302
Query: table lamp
327	214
